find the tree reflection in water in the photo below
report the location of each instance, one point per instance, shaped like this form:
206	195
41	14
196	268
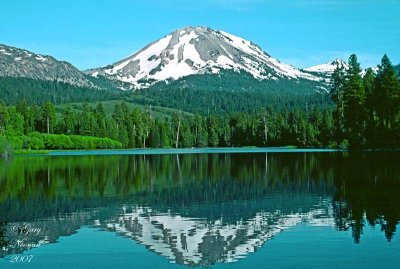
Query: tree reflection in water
217	196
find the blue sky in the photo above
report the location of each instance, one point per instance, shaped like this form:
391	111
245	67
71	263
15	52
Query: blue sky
92	33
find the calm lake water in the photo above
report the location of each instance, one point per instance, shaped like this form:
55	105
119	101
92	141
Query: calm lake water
216	210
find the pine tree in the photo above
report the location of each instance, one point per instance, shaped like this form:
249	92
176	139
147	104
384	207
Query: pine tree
212	126
123	136
112	131
165	131
118	115
387	93
370	104
23	109
100	118
154	138
337	95
327	128
186	136
68	121
200	132
48	117
85	127
137	127
354	103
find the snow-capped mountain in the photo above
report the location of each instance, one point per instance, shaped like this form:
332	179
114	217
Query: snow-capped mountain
198	50
327	68
15	62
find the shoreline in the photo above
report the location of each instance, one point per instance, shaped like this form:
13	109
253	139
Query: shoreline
181	151
102	152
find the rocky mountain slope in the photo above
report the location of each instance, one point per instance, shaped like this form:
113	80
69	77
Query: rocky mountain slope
15	62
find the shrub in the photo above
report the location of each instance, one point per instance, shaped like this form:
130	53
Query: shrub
17	142
57	141
35	141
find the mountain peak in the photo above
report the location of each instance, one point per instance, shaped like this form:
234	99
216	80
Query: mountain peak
328	67
338	62
194	28
193	50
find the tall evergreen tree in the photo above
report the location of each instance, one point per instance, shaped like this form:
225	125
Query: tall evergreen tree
136	128
85	121
387	93
100	118
68	120
370	103
337	94
354	103
212	126
23	109
49	119
165	130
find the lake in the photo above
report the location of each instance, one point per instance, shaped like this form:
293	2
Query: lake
240	209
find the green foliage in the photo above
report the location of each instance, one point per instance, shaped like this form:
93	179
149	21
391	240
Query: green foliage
367	108
35	141
48	117
17	142
52	141
92	128
4	145
354	103
87	142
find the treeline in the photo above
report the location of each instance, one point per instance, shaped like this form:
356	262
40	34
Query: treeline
367	110
207	102
137	128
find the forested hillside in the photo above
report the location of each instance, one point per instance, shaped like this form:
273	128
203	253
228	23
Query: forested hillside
231	91
366	113
33	91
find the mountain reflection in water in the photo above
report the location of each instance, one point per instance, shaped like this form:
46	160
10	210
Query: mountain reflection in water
198	209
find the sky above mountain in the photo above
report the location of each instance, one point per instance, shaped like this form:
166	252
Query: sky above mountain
302	33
